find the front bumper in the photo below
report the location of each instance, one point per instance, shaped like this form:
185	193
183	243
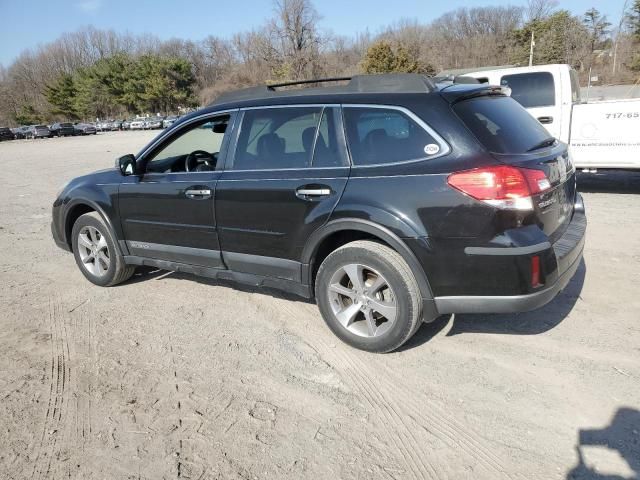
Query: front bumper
568	252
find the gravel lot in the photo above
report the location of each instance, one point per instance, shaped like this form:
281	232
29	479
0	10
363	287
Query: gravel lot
171	376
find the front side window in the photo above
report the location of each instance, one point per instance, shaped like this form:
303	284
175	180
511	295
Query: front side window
383	135
196	148
277	138
531	90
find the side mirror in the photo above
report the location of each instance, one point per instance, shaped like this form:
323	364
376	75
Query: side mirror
126	164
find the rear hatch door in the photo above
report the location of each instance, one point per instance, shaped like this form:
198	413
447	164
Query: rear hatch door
515	138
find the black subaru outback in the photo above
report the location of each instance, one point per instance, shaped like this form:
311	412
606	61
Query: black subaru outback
389	199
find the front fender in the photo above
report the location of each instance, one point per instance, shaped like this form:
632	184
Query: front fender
103	200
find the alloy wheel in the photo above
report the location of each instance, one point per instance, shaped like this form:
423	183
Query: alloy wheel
94	251
362	300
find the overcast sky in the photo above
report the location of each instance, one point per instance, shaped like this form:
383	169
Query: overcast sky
25	24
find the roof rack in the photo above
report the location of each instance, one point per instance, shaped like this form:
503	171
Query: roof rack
307	82
381	83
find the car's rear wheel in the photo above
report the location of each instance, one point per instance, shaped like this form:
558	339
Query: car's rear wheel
368	296
95	252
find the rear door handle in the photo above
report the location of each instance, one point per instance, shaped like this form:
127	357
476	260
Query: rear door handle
196	193
313	192
545	120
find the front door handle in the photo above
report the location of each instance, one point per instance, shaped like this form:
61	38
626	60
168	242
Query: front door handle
199	194
545	120
314	192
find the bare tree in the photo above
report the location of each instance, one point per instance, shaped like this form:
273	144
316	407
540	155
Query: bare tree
539	9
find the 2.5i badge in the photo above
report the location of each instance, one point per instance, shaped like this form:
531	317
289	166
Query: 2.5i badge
431	149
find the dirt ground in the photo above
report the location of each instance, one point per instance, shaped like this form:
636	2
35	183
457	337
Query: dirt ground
171	376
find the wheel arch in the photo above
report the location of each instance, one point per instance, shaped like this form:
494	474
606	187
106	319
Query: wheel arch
362	229
79	207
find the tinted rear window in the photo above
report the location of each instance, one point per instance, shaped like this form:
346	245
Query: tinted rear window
501	124
530	90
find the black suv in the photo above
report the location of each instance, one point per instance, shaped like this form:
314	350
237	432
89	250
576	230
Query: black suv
62	130
389	199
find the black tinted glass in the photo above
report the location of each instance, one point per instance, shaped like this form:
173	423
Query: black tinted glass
328	150
531	89
275	138
501	124
379	135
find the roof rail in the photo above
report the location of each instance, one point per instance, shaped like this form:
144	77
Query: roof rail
380	83
307	82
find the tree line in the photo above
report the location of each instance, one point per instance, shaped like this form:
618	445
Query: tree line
94	73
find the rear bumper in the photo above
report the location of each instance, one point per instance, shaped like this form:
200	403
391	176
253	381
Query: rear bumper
568	253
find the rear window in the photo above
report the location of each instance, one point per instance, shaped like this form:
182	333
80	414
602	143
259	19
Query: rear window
531	90
66	125
500	124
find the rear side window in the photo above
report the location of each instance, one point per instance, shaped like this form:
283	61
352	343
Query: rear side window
276	138
383	135
500	124
531	89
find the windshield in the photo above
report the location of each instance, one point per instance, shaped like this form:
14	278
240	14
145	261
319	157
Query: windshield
501	124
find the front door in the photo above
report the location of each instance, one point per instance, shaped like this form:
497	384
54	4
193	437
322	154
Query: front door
167	212
282	182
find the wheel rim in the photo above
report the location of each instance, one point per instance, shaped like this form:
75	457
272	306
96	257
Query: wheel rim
362	300
94	251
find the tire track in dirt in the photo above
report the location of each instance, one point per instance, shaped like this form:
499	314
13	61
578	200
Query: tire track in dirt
179	453
57	430
383	388
395	428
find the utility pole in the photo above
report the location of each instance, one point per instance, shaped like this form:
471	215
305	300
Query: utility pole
533	44
615	44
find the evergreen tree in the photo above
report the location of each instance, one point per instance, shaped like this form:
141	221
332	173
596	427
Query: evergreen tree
62	95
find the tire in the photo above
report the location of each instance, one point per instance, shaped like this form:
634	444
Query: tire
104	264
383	311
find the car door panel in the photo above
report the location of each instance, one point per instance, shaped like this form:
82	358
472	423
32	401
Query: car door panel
161	220
170	215
265	216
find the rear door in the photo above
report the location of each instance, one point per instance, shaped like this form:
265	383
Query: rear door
285	176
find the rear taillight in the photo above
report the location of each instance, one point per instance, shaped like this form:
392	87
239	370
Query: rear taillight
501	186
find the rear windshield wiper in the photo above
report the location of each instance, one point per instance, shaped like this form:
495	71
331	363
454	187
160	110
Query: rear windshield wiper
547	142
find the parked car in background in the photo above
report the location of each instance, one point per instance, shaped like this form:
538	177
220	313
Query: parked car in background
103	126
38	131
20	132
116	125
137	124
391	200
170	120
62	130
126	124
154	123
85	129
6	134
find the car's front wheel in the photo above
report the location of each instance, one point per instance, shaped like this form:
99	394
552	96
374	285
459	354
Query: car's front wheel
368	296
95	252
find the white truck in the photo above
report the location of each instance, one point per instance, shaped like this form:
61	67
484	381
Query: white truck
602	134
